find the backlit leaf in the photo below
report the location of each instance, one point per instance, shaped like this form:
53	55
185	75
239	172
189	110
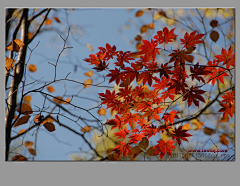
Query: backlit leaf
50	89
86	129
87	83
102	112
22	121
186	127
15	45
28	144
32	68
49	126
48	21
25	109
89	73
32	151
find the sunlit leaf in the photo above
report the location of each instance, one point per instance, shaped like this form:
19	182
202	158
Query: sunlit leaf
19	158
139	13
50	89
86	129
27	98
197	123
32	68
49	126
21	131
8	64
25	109
32	151
15	45
21	121
89	46
102	111
28	144
144	143
87	83
89	73
186	127
151	26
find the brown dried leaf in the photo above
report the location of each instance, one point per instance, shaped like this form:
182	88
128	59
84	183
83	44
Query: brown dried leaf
57	19
22	121
135	151
49	126
125	83
144	29
32	151
138	38
21	131
32	68
19	158
214	23
144	143
86	129
50	89
30	35
15	45
133	125
48	119
139	13
113	157
151	151
28	144
138	45
27	98
87	83
89	73
151	26
208	131
102	111
25	109
226	119
214	35
38	118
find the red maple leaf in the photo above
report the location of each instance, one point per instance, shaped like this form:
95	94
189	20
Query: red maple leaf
123	148
164	147
228	104
168	117
180	134
122	133
165	36
197	71
228	58
136	137
193	95
192	39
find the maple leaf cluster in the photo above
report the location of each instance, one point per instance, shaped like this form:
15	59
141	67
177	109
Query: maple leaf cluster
142	105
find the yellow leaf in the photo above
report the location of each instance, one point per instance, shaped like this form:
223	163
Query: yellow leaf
87	83
89	46
186	127
32	68
8	64
139	13
86	129
25	109
15	45
27	98
89	73
28	144
32	151
145	89
144	143
50	89
102	111
49	126
22	121
170	21
197	123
